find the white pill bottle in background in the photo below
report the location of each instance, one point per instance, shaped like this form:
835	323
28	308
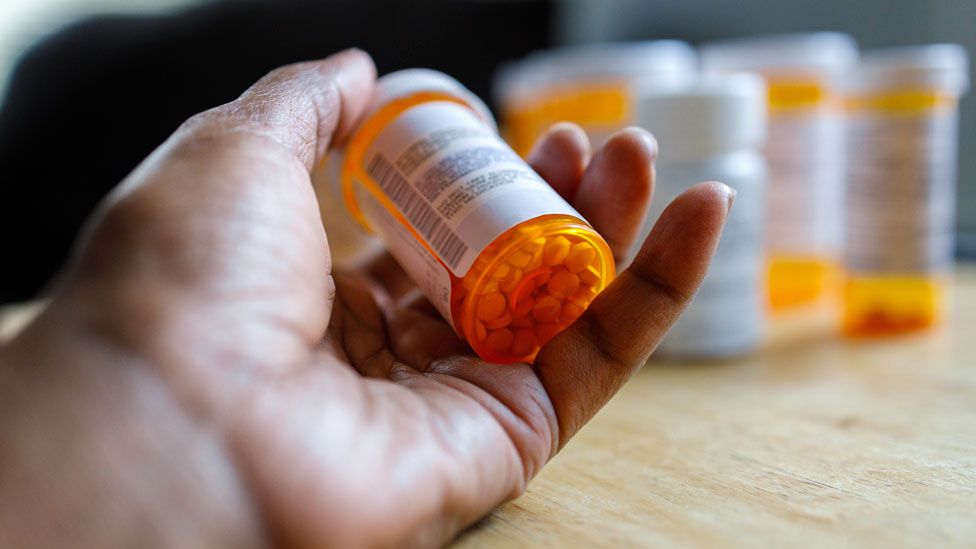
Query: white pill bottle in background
902	106
805	154
590	85
713	128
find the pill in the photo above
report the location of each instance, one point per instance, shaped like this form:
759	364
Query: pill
589	276
569	313
499	341
545	332
556	250
519	258
508	283
536	260
501	271
562	284
503	320
469	280
524	343
584	294
491	306
546	308
580	256
480	332
534	245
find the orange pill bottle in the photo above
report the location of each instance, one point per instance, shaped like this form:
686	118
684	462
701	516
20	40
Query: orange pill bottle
902	106
506	261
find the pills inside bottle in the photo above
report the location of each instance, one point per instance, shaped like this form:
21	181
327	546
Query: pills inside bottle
506	261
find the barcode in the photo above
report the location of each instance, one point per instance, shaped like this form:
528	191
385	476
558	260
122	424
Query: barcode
415	208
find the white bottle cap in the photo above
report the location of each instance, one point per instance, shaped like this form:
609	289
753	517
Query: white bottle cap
406	82
944	67
616	60
819	53
660	60
714	114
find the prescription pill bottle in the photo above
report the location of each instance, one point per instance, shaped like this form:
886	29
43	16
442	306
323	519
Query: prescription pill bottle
349	245
713	128
502	256
590	85
902	132
805	155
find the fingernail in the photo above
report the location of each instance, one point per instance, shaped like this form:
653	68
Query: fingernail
731	197
354	76
645	136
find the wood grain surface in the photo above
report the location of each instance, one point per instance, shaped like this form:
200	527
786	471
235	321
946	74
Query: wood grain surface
815	441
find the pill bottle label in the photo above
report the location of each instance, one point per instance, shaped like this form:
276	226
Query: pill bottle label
901	184
599	109
439	186
805	157
804	220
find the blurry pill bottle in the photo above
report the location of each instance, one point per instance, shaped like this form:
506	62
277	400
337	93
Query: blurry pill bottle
805	155
902	108
591	85
713	128
501	255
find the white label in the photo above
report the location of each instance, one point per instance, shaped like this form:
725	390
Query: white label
458	185
429	275
805	153
901	191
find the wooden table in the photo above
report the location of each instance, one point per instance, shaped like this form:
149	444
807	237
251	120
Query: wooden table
816	441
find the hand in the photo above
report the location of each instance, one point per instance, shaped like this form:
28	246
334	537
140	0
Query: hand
202	376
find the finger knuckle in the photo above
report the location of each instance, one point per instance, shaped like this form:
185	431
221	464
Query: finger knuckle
600	339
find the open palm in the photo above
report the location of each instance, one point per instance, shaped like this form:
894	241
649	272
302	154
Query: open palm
343	410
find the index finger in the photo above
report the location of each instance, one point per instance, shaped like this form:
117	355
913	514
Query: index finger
583	366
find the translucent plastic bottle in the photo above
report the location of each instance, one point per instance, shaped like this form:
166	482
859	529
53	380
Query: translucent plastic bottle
590	85
349	244
502	256
712	129
805	154
903	109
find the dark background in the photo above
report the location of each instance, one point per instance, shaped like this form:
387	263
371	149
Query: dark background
86	104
